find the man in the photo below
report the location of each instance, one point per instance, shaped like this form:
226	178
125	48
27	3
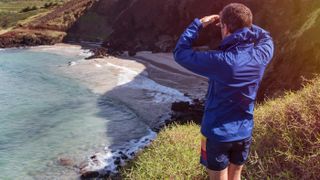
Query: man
234	72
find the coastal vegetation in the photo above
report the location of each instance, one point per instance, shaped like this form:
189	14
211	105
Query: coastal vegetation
13	11
286	143
39	26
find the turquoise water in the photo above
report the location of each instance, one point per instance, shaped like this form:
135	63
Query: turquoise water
45	116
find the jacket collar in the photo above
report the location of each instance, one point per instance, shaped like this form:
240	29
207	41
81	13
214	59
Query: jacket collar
243	35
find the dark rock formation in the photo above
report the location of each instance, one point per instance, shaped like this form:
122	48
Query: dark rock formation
89	175
185	112
18	38
98	53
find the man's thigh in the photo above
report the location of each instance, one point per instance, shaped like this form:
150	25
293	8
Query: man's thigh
240	151
216	156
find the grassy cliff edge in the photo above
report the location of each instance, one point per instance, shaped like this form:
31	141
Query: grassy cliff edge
43	27
286	143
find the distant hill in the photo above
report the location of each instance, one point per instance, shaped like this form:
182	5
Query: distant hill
37	26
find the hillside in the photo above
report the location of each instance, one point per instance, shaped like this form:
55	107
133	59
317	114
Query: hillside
46	24
286	143
12	12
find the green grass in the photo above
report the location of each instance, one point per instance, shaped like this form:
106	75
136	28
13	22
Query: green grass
174	154
10	13
286	143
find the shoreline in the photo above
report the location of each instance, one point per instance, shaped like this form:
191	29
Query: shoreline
148	84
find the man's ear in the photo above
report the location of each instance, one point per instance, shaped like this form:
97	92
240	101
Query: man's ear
228	29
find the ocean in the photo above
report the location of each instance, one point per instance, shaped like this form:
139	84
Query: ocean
46	117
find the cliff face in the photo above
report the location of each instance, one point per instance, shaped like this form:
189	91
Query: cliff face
97	23
156	25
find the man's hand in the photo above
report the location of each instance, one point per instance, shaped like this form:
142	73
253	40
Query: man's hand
209	20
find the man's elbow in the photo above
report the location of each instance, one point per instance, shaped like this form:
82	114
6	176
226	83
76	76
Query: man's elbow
177	55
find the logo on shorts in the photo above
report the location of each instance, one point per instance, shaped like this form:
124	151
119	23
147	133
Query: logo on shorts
220	158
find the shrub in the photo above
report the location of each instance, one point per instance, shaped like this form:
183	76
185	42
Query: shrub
49	5
27	9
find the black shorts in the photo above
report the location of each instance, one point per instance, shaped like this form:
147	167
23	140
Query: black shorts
216	156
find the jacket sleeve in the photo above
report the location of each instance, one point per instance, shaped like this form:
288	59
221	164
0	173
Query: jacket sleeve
199	62
264	46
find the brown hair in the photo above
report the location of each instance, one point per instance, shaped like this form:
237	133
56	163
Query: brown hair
236	16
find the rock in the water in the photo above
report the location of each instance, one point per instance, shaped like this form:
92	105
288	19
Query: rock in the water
124	157
117	161
72	63
65	161
98	53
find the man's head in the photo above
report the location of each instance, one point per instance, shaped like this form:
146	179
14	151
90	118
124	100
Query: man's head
233	17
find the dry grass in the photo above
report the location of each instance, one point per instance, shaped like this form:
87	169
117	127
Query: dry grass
286	143
45	27
10	14
287	136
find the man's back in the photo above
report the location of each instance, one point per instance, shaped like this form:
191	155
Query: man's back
234	72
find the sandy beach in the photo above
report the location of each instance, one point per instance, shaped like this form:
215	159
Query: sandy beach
148	84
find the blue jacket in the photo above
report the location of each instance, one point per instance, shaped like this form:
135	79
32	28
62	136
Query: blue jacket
234	71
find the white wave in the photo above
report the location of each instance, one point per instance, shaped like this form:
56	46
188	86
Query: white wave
160	93
108	161
98	65
126	75
86	53
139	80
72	63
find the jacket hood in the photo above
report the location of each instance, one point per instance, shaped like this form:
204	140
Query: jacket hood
243	35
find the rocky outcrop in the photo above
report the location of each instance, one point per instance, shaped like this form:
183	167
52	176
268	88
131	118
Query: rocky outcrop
25	37
185	112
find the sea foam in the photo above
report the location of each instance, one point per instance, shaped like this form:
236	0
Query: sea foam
108	162
140	80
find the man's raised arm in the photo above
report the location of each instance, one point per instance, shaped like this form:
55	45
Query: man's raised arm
199	62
